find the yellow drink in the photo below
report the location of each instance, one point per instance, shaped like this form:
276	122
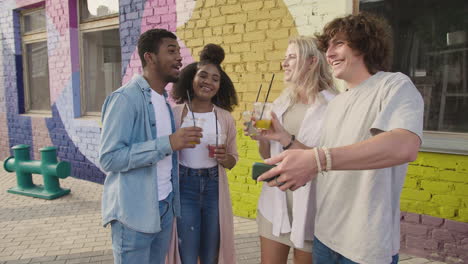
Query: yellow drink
263	124
193	142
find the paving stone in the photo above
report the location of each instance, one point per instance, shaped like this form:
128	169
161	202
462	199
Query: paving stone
54	262
41	259
78	260
68	230
21	261
415	261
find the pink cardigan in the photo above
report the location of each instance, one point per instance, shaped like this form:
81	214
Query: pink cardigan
227	253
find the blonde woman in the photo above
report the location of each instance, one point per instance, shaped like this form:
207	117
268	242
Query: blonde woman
286	219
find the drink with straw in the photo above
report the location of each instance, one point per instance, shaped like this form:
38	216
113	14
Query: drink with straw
197	122
262	120
215	141
191	121
262	111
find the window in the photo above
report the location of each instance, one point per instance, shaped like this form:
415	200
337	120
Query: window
35	62
100	53
431	47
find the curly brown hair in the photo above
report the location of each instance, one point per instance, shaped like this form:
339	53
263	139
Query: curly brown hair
365	33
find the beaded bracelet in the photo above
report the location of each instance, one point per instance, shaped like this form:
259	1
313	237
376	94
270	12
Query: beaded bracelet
327	158
317	159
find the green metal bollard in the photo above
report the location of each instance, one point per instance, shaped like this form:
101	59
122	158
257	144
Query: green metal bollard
48	166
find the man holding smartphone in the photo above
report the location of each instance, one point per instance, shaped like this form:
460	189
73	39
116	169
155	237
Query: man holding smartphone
370	133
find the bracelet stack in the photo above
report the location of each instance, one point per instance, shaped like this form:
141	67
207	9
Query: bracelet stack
328	160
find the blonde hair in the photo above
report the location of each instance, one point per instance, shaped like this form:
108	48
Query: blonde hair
309	79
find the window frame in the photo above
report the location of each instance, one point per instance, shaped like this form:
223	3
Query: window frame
31	37
437	141
85	26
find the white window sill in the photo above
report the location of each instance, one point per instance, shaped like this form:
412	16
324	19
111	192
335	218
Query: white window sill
445	142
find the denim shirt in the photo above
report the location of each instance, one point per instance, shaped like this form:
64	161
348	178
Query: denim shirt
129	153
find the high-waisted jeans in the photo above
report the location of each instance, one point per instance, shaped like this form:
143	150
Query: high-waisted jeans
198	227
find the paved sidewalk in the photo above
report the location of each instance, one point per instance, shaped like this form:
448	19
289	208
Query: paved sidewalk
68	230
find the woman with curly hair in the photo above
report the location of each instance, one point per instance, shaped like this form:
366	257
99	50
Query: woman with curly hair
205	228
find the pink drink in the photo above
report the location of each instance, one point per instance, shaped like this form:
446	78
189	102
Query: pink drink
211	150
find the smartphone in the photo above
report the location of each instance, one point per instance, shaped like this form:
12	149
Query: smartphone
259	168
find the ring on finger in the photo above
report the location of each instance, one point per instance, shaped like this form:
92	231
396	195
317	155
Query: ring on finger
277	182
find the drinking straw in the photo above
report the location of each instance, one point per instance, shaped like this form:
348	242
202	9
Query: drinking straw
190	107
216	125
256	99
258	93
266	97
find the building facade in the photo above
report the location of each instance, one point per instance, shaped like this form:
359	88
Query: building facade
60	58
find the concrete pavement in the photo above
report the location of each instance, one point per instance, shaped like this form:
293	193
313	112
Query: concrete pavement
68	230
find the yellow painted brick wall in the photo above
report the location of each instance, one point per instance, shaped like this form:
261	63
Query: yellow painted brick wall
244	190
437	185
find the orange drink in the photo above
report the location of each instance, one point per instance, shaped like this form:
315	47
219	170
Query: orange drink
262	115
263	124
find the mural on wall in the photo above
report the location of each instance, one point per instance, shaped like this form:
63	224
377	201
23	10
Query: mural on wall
254	35
78	138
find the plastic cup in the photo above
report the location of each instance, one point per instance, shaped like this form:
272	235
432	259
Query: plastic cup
263	120
212	143
189	122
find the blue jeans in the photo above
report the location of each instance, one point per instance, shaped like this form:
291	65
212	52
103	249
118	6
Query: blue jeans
322	254
198	227
130	246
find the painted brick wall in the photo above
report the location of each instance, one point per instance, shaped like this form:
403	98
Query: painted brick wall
435	238
4	142
77	139
254	34
437	185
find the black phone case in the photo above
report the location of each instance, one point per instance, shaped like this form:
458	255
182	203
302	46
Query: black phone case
259	168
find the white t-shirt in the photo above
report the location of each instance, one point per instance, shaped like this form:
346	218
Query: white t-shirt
197	158
358	212
163	128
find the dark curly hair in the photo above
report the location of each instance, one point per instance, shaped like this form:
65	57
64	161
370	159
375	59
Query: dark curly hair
150	42
365	33
213	54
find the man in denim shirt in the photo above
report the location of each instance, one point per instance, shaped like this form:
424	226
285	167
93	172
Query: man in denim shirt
138	144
